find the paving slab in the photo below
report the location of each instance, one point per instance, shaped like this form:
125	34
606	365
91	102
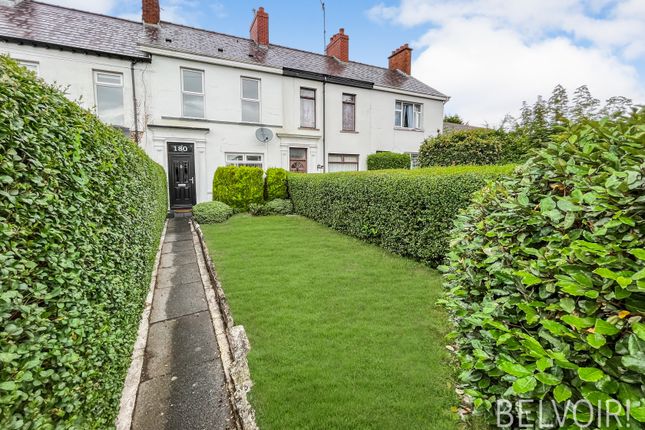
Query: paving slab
178	300
182	383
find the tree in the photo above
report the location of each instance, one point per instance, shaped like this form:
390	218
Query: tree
584	105
454	119
558	106
617	105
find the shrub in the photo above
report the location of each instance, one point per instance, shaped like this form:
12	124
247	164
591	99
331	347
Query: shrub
238	187
274	207
388	160
212	212
409	212
546	278
474	147
276	184
81	214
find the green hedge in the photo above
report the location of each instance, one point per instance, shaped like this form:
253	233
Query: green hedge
276	184
238	187
274	207
388	160
212	212
473	147
81	213
546	279
409	212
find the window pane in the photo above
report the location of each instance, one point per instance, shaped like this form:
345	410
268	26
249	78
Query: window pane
250	111
305	92
254	157
193	81
351	158
109	104
307	113
297	153
335	157
234	157
348	116
348	98
407	115
29	66
108	78
193	106
397	118
251	89
397	106
343	167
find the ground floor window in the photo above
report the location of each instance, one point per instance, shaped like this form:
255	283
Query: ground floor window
239	159
343	162
414	159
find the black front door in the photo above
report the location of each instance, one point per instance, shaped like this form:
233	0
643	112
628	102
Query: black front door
181	175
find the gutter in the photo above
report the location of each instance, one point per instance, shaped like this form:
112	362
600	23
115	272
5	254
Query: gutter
21	41
324	127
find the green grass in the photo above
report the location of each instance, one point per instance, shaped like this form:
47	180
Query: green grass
343	334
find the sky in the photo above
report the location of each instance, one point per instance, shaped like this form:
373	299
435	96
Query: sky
487	55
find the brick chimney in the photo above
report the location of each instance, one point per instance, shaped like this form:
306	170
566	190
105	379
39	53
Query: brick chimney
260	27
401	59
339	46
151	12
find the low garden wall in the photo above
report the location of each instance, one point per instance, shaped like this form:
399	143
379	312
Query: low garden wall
409	212
81	212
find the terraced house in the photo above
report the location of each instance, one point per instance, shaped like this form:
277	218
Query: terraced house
196	99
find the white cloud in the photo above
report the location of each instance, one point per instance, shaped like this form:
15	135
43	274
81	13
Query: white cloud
490	55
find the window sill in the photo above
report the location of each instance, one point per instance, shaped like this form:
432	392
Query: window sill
419	130
309	128
349	131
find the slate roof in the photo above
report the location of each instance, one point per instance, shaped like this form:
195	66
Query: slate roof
57	26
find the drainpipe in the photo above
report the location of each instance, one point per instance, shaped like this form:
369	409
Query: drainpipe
134	103
324	115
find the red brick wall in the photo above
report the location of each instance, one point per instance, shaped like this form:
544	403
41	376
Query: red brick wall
260	27
151	13
339	46
401	59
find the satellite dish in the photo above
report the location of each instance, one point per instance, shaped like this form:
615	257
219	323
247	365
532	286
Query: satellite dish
263	134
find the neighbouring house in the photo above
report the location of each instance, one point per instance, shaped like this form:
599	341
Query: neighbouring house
449	127
197	99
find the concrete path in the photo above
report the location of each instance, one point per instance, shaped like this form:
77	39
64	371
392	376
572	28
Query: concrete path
182	385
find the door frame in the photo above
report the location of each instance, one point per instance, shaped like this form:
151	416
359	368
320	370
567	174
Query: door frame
169	157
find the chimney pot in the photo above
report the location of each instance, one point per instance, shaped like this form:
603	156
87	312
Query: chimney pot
339	46
401	59
151	12
260	27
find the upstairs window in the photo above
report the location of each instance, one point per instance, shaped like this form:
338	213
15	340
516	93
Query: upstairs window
250	100
32	66
109	97
349	112
192	89
407	115
307	108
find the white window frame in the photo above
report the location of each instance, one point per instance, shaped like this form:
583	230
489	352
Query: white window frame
315	102
417	115
245	161
111	85
33	66
192	93
343	162
248	100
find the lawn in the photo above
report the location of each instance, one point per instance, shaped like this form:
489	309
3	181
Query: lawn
344	335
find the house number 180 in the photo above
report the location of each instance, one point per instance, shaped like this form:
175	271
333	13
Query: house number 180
179	148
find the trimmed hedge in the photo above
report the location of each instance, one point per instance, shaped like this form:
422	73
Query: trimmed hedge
409	212
546	279
81	213
388	160
274	207
238	187
212	212
473	147
276	184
